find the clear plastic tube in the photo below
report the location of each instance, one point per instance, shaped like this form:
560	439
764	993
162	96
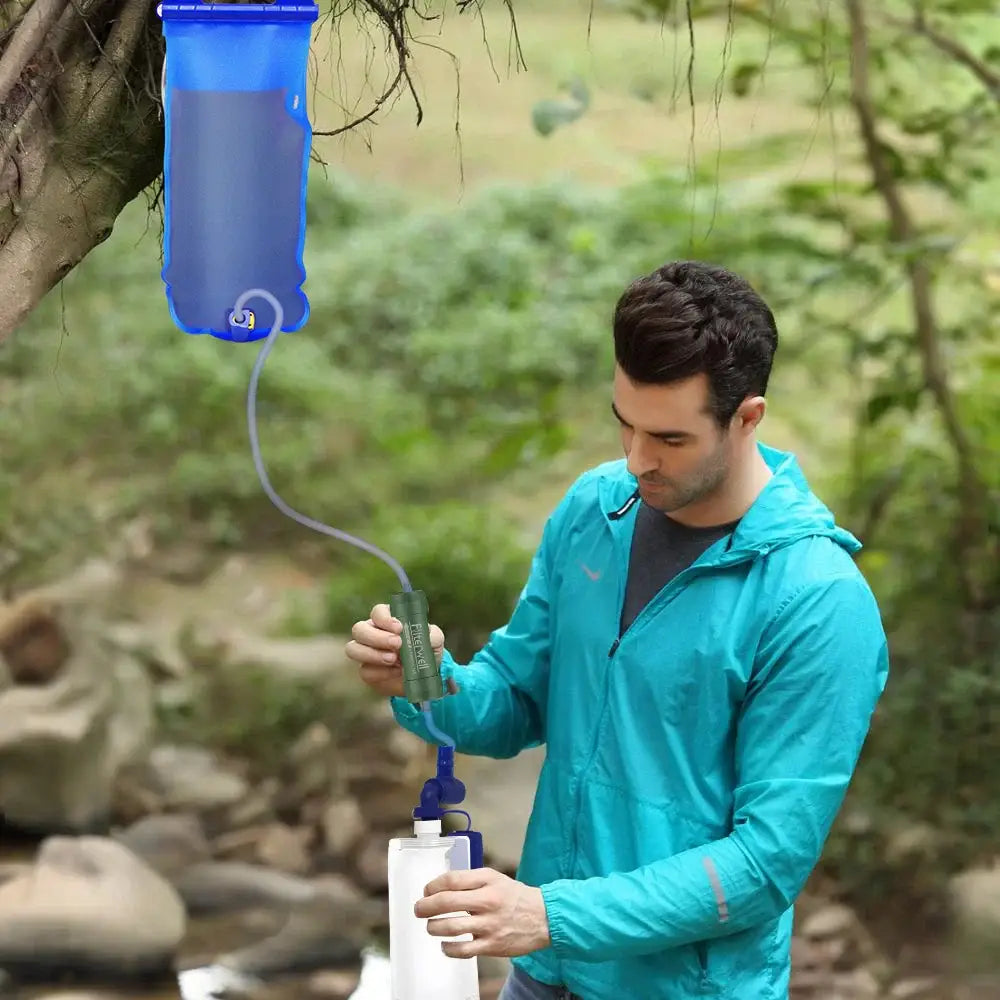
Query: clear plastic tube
308	522
442	738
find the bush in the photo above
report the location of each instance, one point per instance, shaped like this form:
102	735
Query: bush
464	558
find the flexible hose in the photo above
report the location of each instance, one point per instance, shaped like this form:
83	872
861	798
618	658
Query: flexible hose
309	522
432	728
325	529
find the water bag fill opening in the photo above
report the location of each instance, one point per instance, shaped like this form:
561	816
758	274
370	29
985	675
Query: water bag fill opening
236	160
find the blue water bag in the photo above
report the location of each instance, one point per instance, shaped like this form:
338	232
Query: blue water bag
236	163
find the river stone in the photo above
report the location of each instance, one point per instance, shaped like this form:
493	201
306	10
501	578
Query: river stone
320	933
89	905
168	843
190	778
62	744
230	886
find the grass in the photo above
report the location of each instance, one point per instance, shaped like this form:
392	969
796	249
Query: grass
477	99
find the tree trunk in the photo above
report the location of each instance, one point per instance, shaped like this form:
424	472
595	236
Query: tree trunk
81	134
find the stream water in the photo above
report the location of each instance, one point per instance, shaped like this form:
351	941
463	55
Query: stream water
212	982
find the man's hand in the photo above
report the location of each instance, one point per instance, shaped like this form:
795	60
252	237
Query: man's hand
506	918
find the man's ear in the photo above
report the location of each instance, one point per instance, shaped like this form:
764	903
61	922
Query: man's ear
749	415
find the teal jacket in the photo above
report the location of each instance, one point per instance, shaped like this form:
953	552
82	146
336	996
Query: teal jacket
693	770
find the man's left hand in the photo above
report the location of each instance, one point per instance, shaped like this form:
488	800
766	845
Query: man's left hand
506	918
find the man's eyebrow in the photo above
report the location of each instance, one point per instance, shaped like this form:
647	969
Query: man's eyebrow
666	435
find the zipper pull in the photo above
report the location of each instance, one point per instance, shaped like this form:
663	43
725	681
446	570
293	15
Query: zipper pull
614	647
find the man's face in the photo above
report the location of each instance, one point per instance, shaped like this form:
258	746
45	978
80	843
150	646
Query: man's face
674	446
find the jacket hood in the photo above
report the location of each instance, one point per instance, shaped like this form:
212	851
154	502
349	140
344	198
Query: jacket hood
785	511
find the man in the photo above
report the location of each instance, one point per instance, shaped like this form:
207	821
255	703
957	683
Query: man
701	658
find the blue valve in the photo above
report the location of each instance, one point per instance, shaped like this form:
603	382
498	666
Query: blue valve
446	788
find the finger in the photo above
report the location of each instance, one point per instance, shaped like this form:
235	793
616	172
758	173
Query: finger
367	634
437	638
381	675
382	618
466	949
468	901
370	658
454	926
460	880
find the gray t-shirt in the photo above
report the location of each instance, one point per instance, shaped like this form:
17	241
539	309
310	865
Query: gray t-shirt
661	548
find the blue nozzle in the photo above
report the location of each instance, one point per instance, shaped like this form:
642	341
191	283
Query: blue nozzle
443	788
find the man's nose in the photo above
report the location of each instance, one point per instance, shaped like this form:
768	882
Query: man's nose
639	461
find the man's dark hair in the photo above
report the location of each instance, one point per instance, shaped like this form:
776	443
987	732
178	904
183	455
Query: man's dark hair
689	317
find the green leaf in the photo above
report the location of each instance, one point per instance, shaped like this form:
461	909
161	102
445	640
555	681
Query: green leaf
743	76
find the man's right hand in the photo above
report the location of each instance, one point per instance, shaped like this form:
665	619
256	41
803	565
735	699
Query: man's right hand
375	646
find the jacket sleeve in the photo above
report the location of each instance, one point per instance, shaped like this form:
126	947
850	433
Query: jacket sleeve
500	707
820	669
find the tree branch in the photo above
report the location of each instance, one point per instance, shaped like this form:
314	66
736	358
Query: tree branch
111	77
951	47
394	22
973	495
40	17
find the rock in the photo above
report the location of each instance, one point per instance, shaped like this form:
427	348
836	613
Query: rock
285	848
343	826
239	845
340	888
229	886
11	869
388	804
372	864
499	797
309	658
858	984
975	905
320	933
256	808
333	984
190	778
915	841
914	989
80	995
96	584
406	747
168	843
828	922
185	563
315	741
311	764
34	646
89	905
62	744
156	647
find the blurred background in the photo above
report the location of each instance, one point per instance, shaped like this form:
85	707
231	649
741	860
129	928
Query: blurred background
172	669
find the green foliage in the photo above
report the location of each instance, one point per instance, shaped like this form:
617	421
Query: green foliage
445	347
553	113
256	715
465	558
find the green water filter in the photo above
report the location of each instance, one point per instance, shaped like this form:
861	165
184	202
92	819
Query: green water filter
421	675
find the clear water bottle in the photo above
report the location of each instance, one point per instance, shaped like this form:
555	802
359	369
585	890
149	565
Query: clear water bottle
419	968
